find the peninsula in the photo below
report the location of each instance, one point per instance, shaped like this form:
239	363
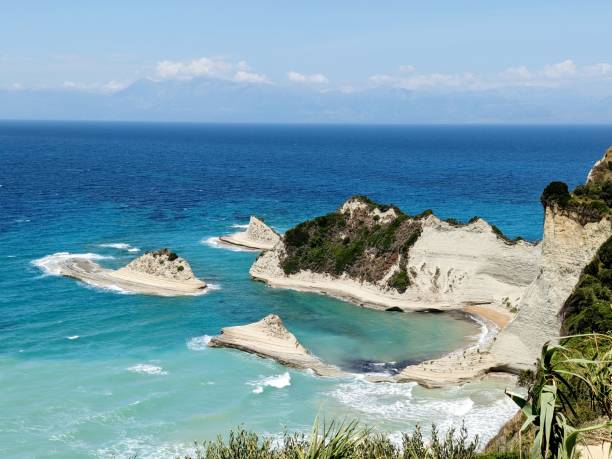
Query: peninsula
161	273
379	257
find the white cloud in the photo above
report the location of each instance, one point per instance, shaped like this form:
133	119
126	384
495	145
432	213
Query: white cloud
416	81
555	75
316	78
596	70
109	87
519	73
210	68
250	77
564	69
551	76
191	69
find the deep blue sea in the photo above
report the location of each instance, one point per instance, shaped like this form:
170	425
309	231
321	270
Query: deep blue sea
86	372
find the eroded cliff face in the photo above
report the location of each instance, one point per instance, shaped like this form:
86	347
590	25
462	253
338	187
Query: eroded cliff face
567	247
407	262
469	264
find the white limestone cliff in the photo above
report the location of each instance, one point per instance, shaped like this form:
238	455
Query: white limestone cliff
449	266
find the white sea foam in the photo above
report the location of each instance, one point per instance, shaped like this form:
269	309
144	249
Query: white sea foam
482	409
106	288
216	243
73	337
51	264
146	446
120	246
146	368
277	381
488	330
199	343
236	225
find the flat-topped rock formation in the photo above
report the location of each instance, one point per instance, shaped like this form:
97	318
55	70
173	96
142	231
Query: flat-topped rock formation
257	236
160	273
379	257
270	339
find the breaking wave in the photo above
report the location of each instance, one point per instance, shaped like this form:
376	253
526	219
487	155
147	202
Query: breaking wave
51	265
216	243
278	382
148	369
199	343
120	246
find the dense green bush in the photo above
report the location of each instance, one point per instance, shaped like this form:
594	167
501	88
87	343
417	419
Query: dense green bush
360	244
555	193
589	307
400	281
343	441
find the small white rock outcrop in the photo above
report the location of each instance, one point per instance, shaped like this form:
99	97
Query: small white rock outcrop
257	236
269	338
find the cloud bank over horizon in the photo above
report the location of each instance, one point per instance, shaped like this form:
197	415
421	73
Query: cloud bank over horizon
208	89
554	75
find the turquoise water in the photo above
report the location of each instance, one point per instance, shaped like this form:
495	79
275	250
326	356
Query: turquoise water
86	372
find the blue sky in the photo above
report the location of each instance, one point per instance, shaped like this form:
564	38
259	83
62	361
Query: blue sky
438	45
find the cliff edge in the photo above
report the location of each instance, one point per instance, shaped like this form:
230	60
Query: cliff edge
380	257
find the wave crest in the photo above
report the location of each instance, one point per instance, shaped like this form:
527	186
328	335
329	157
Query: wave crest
120	246
277	381
50	265
145	368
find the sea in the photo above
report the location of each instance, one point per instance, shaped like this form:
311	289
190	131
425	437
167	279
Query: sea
99	373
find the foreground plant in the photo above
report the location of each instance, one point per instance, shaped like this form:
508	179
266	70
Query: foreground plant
341	441
567	375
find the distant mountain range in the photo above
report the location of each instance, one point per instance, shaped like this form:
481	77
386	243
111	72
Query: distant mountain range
210	100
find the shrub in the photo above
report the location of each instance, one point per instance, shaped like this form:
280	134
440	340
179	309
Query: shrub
342	441
180	268
400	281
555	193
359	244
588	308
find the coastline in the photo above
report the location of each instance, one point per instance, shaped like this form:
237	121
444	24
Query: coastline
466	363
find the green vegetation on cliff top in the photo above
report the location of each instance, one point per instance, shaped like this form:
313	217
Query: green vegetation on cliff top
590	201
360	243
364	243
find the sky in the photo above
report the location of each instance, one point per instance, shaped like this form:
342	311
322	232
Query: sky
427	47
